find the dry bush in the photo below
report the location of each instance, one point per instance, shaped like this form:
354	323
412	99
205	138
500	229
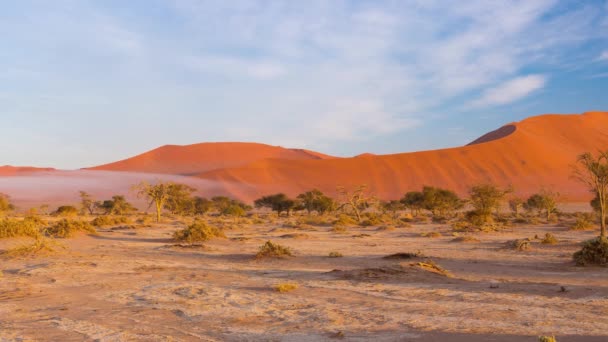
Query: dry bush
103	221
431	234
15	228
546	339
285	287
466	239
519	244
386	228
273	250
431	266
594	252
40	246
549	239
198	231
344	220
403	255
339	229
315	221
335	254
66	228
584	221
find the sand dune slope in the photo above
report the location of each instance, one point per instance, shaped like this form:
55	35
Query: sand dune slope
535	152
192	159
8	170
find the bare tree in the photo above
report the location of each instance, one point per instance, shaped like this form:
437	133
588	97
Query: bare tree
357	200
157	194
593	171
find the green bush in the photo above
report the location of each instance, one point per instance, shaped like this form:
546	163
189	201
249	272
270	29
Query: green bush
68	228
594	252
199	231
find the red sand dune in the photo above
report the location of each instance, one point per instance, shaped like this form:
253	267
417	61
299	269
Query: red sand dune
535	152
8	170
197	158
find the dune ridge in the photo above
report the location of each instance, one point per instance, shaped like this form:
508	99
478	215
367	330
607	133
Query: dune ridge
8	170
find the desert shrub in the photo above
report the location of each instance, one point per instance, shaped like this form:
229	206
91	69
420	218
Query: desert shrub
144	219
431	266
273	250
549	239
285	287
344	220
314	220
68	228
335	254
546	339
40	246
35	219
584	221
519	244
65	211
431	234
14	228
198	231
594	252
466	239
403	255
102	221
370	219
386	228
339	229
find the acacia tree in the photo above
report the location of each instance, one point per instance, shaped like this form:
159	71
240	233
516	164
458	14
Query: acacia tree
357	200
5	204
156	194
593	171
544	200
441	202
118	205
277	202
179	200
87	204
486	198
516	204
414	201
315	200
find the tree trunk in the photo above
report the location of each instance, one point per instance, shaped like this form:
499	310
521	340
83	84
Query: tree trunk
603	220
158	210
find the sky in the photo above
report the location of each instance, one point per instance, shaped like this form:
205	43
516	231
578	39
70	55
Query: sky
84	83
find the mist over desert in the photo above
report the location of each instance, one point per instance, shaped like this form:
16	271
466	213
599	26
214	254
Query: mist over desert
274	170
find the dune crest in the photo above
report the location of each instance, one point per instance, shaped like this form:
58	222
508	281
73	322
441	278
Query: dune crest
8	170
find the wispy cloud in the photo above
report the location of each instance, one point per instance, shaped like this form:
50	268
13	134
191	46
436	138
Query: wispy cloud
510	91
603	56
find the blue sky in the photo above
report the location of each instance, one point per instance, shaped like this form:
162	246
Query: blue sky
88	82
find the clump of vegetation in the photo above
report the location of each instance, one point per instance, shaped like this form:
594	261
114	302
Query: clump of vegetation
431	234
431	266
103	221
545	200
335	254
403	255
546	339
370	220
486	199
519	244
285	287
5	204
68	228
386	228
549	239
466	239
344	220
583	221
356	200
198	231
273	250
39	246
315	200
277	202
594	252
15	228
339	229
65	211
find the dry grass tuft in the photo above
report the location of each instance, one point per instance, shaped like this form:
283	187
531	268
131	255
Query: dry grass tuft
40	246
335	254
67	228
104	221
431	234
431	266
546	339
10	228
199	231
285	287
519	244
466	239
549	239
273	250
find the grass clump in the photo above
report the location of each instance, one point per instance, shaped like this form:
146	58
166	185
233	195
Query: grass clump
546	339
198	231
431	266
344	220
594	252
40	246
103	221
273	250
285	287
431	234
339	229
17	228
403	255
68	228
549	239
335	254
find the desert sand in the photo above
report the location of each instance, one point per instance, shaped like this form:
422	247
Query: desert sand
134	284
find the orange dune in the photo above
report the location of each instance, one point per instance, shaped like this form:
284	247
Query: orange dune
8	170
530	154
197	158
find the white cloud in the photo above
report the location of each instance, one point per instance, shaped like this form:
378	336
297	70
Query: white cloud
511	91
603	56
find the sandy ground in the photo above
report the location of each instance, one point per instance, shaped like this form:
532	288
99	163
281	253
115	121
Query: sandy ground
135	285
